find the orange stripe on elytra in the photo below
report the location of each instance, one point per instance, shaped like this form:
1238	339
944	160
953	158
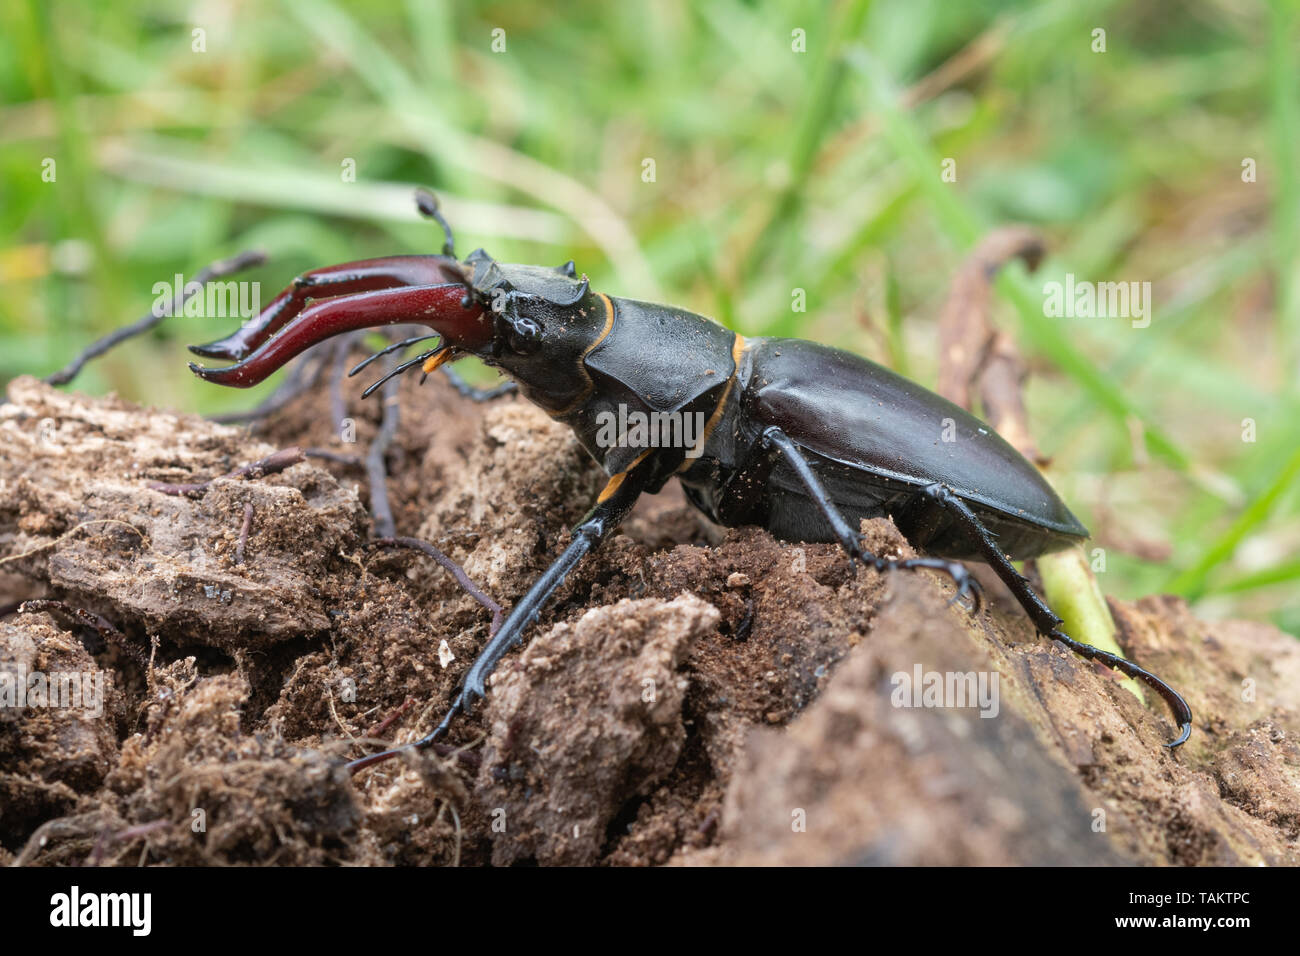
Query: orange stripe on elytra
737	349
614	482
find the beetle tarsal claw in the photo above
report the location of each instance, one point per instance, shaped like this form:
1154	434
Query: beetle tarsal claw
968	586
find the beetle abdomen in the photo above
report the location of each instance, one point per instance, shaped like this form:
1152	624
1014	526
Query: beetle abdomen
895	434
859	494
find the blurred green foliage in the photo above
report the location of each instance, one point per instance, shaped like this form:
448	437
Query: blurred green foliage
774	169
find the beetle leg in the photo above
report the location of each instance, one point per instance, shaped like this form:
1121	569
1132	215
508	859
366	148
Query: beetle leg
774	437
368	275
1046	621
741	501
611	507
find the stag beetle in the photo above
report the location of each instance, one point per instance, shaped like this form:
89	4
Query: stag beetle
803	439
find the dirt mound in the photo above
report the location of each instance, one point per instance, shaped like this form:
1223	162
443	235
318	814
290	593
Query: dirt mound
692	696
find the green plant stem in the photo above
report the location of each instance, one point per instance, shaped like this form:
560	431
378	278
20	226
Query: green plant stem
1072	591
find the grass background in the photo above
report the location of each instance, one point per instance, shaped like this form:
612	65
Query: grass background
774	170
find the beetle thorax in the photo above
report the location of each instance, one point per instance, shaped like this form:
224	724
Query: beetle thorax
545	322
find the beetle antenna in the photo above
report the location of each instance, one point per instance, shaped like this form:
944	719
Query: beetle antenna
395	347
427	203
418	360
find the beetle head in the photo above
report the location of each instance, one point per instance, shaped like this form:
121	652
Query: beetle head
544	320
532	322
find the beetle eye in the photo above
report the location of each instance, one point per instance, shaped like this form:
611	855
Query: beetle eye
525	336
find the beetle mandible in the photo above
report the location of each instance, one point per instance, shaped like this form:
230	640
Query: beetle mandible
803	439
